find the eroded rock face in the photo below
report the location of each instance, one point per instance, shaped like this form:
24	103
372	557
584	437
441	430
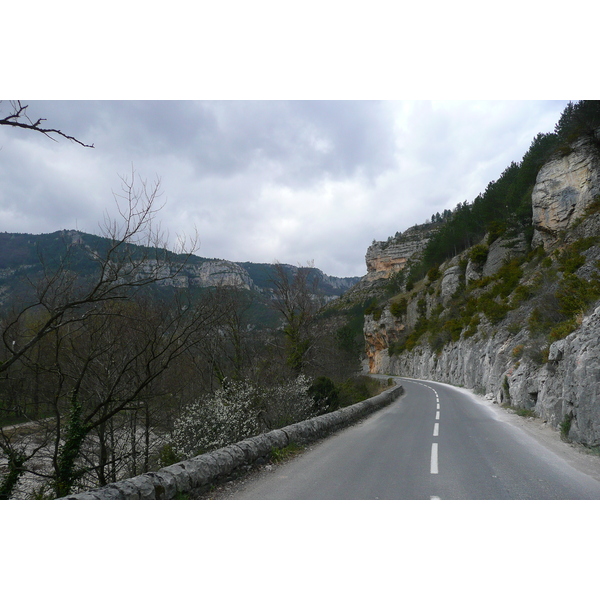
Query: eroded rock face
571	389
379	334
564	189
220	272
502	250
450	283
386	258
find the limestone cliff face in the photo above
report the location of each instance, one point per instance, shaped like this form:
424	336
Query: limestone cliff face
559	381
565	187
208	273
340	284
380	331
383	259
220	272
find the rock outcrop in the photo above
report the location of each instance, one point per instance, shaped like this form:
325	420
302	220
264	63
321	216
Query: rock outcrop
220	272
565	187
386	258
502	250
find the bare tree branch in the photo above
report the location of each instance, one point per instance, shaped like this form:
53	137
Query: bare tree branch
19	118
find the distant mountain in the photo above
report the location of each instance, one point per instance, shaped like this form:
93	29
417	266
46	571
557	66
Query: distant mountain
24	257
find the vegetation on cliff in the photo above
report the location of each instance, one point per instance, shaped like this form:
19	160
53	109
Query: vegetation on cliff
504	209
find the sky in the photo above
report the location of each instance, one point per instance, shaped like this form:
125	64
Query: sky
264	180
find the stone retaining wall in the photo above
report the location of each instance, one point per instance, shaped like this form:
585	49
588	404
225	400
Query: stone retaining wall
197	472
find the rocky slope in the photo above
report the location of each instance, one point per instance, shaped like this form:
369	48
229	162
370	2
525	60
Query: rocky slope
518	322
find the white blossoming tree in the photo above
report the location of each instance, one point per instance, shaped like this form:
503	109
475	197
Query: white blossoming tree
240	410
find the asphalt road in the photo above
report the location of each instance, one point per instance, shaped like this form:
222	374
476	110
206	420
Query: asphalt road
435	442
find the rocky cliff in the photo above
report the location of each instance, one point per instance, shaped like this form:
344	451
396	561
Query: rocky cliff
517	321
386	258
565	189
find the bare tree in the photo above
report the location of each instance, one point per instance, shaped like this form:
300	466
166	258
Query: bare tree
107	343
297	300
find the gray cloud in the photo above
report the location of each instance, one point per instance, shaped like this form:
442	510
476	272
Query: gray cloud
260	181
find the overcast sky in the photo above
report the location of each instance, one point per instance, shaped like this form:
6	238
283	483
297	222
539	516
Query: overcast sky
293	181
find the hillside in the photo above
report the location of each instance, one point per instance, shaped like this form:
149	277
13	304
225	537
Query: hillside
24	257
504	297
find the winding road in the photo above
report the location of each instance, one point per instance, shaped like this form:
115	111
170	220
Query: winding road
435	442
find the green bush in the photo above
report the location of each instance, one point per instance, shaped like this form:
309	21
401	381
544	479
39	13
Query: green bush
374	309
472	326
167	456
433	273
540	321
397	347
574	295
570	260
514	328
493	310
357	389
593	207
454	327
508	278
395	282
325	393
479	254
524	412
523	293
565	427
537	353
563	330
278	455
496	229
398	308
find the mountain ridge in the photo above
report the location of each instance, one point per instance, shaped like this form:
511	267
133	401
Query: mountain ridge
26	256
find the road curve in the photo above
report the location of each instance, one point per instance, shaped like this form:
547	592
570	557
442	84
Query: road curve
435	442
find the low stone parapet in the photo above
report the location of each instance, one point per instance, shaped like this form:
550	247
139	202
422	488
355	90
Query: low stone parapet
195	473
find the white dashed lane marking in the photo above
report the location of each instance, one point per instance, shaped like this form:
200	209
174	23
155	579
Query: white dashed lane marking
434	459
434	467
